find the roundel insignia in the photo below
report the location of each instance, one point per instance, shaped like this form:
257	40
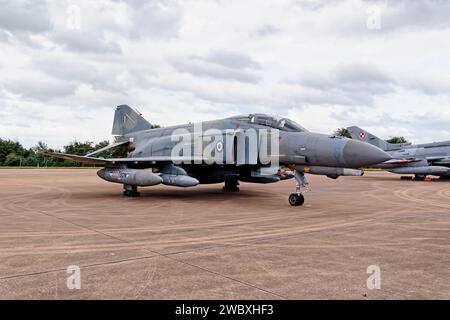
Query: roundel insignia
362	135
219	146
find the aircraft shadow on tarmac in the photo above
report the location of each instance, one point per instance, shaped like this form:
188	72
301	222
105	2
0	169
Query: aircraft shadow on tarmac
174	194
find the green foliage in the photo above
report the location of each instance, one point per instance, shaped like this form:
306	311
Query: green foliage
79	148
41	146
343	132
13	154
105	154
118	152
13	160
395	140
8	147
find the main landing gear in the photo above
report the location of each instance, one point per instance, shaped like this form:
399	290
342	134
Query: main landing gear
297	198
130	191
419	177
231	185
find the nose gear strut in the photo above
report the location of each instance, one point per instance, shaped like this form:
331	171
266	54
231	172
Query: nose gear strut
297	198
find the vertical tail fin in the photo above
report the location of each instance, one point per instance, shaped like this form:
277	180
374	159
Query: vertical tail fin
127	120
362	135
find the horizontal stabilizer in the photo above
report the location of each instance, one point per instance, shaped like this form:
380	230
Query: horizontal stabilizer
111	146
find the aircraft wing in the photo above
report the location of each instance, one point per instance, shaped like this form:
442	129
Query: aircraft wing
146	160
73	157
155	159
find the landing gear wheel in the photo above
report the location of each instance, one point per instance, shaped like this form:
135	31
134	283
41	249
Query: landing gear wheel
418	177
128	193
131	191
231	186
296	199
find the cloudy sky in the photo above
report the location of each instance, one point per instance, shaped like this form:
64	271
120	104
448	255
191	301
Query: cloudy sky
65	65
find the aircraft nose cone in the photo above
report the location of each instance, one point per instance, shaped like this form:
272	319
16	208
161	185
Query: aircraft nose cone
358	154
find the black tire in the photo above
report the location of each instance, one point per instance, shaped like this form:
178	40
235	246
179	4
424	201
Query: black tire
231	186
301	200
131	194
419	177
296	199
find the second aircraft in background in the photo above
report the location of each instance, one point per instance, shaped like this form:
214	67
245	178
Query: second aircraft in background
420	160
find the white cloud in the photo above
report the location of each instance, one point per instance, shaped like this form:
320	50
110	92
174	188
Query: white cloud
24	15
221	66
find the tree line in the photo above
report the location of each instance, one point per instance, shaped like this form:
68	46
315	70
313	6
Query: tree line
13	154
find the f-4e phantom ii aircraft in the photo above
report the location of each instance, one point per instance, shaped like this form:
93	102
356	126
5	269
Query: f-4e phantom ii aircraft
420	160
255	148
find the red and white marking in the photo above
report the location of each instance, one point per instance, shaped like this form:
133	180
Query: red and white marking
362	135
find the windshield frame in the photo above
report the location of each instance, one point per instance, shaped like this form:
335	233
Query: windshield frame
282	124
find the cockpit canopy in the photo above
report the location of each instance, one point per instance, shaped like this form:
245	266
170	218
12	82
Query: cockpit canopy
282	124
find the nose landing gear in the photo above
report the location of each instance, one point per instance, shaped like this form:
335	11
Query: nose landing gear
297	198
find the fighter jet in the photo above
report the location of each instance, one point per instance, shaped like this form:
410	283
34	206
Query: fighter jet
420	160
256	148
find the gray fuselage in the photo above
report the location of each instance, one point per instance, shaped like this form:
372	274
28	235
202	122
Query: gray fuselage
297	147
